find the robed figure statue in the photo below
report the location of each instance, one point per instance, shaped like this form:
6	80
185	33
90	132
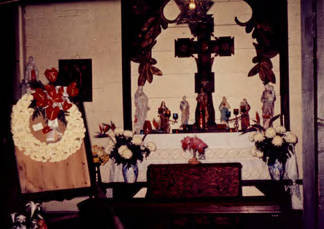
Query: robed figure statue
268	99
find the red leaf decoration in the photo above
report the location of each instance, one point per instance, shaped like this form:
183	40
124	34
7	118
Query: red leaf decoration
112	125
50	90
39	94
72	89
46	129
156	71
61	90
51	74
185	143
57	98
257	117
40	97
254	70
52	113
49	102
193	143
41	103
202	146
271	77
106	127
263	76
266	63
66	105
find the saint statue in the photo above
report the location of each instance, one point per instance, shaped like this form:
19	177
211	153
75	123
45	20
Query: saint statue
268	99
224	109
141	104
31	72
184	107
244	111
202	111
164	114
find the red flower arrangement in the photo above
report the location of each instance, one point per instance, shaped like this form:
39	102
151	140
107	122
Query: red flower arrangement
195	145
51	74
50	101
104	128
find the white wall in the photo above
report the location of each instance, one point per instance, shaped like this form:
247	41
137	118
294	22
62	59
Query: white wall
80	31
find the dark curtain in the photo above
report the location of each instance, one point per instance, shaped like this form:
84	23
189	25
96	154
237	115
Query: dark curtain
9	181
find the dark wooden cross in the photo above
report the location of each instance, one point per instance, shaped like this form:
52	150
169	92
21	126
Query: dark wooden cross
204	47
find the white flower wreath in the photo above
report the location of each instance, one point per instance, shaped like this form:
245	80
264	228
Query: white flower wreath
41	151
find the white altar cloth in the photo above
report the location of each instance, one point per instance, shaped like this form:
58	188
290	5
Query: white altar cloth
222	147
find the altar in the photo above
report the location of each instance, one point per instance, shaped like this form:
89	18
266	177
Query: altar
222	147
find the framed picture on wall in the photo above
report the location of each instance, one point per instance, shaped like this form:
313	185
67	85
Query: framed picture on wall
79	71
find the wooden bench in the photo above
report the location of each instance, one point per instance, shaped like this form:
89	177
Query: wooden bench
182	195
183	181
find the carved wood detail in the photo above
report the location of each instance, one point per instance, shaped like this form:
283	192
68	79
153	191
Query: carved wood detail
265	28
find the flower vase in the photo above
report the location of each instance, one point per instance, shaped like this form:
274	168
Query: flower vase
276	170
194	160
130	173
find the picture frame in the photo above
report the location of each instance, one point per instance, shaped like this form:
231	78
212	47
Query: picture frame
79	71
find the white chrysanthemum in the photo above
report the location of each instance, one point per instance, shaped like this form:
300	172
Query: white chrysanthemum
277	141
251	136
258	137
128	133
119	131
280	129
151	146
122	148
259	154
69	143
127	154
270	132
290	138
137	140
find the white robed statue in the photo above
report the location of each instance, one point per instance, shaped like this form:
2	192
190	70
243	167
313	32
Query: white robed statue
141	104
184	107
268	99
31	75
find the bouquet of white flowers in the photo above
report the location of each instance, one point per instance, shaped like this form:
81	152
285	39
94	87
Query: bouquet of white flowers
126	148
274	143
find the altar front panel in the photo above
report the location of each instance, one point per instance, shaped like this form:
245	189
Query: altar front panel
222	147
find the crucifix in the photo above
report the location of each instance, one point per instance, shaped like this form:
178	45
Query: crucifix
204	47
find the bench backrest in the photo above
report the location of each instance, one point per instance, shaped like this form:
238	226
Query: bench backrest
165	181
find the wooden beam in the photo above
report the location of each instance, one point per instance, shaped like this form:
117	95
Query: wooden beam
284	66
308	23
127	97
320	107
